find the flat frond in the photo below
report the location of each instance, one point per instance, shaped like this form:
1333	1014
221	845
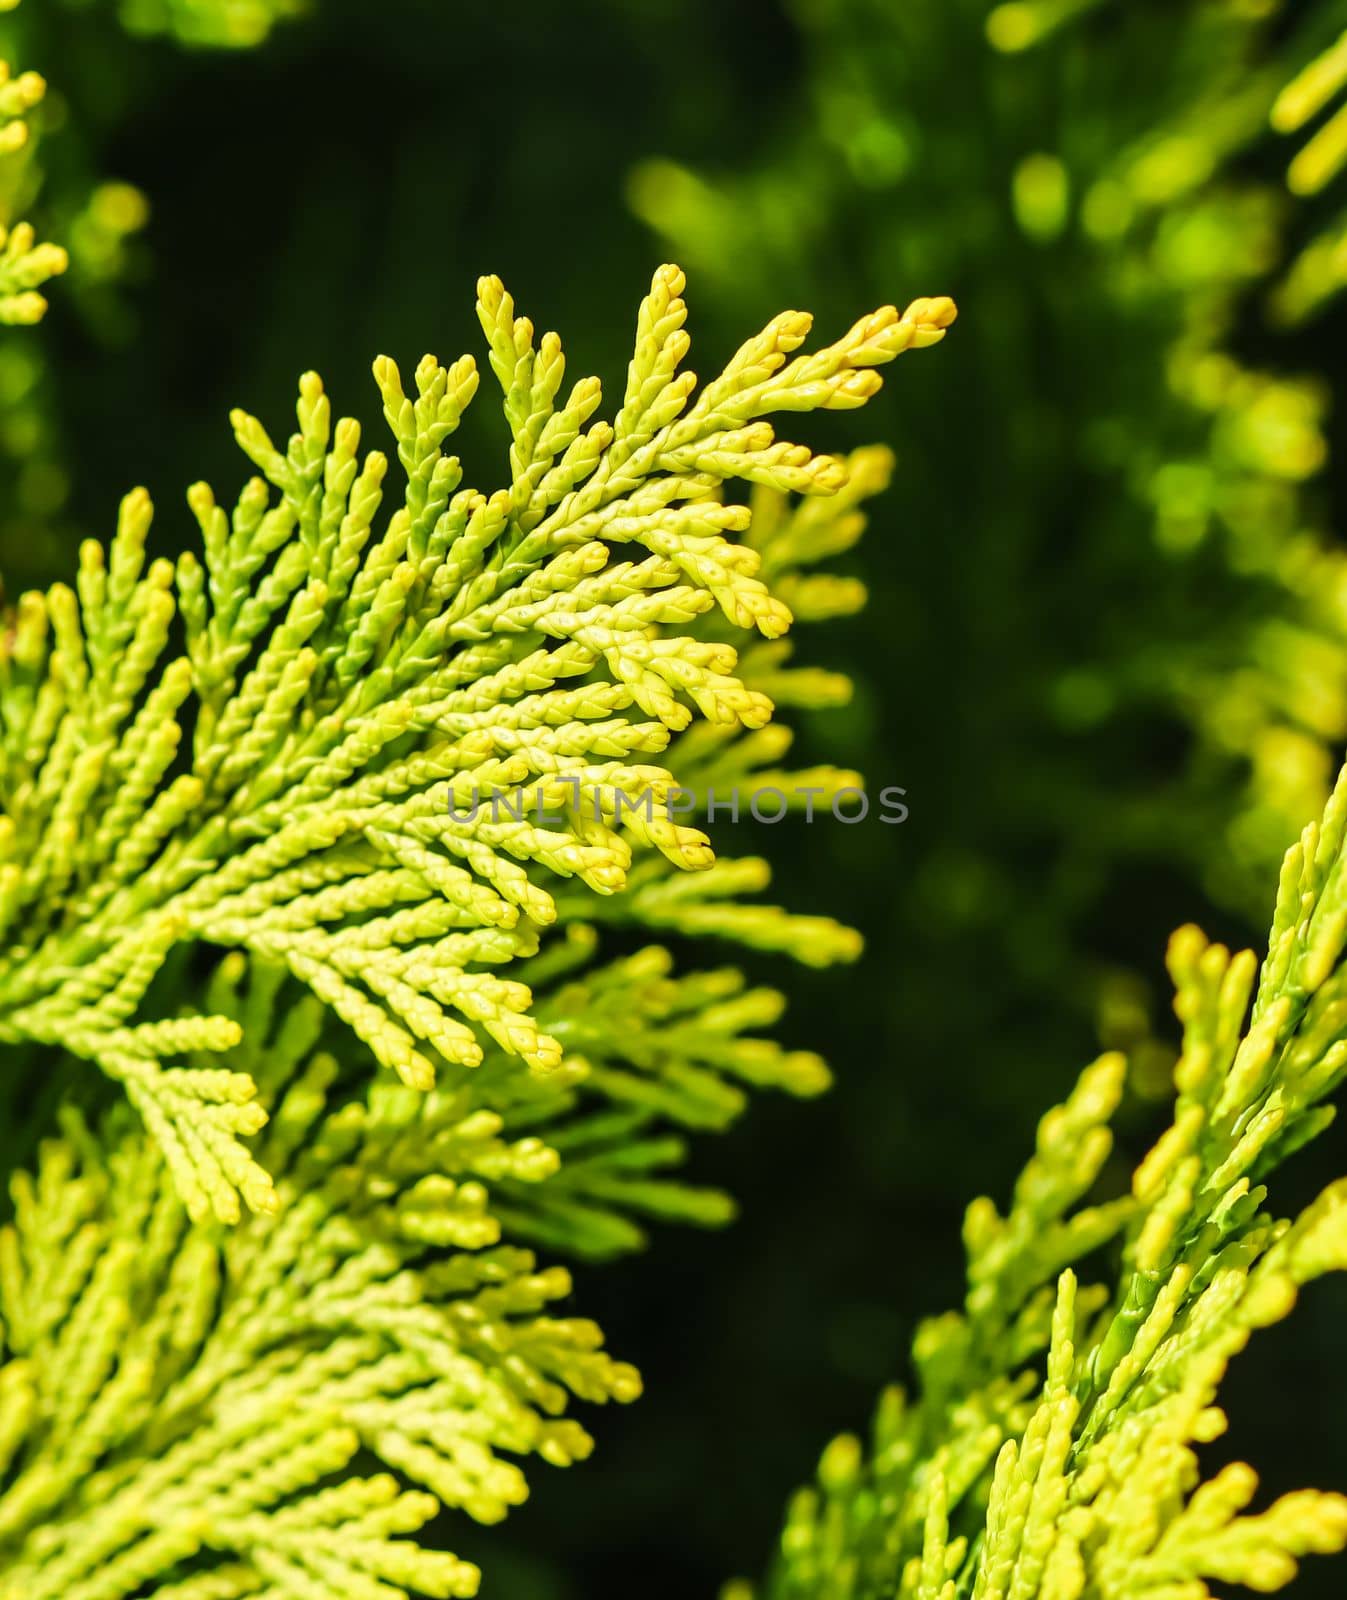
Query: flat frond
401	724
1052	1447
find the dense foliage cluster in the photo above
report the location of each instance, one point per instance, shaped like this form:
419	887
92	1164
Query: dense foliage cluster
313	779
280	1278
1053	1446
350	689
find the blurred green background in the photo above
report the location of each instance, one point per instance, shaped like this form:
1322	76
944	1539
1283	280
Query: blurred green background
1106	651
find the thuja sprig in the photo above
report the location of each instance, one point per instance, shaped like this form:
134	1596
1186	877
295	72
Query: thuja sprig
25	264
1051	1449
183	1406
176	1403
355	665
